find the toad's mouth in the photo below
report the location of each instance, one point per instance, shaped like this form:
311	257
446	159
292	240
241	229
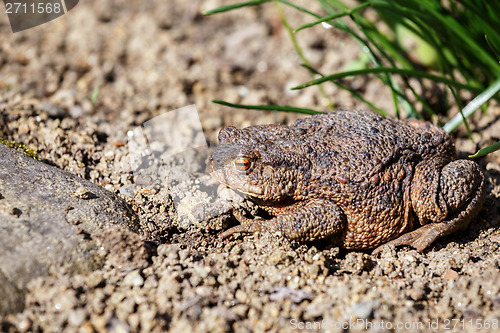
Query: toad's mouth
236	183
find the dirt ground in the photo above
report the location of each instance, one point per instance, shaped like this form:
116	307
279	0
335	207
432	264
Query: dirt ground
149	57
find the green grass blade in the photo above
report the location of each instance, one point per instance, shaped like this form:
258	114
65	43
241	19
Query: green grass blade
486	150
267	107
333	16
388	70
434	17
332	5
492	47
474	47
295	43
299	8
352	91
226	8
95	95
297	47
475	104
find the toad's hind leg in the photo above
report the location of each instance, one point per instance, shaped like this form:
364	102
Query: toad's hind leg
305	220
457	201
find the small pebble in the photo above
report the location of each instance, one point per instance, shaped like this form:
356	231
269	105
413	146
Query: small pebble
364	309
133	279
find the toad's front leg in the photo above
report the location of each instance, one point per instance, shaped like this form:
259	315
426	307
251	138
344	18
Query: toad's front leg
304	220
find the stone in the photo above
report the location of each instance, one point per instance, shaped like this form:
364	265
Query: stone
45	226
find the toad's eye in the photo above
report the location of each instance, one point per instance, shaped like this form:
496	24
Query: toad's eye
243	164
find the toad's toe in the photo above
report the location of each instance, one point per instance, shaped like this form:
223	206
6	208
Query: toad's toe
419	239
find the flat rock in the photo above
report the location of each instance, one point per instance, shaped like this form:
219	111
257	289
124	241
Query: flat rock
47	218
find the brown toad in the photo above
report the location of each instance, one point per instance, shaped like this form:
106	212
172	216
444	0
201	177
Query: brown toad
353	176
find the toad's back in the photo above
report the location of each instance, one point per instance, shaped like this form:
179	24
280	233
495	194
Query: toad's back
358	144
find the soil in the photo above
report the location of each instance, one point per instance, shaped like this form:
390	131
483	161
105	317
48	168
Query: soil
145	58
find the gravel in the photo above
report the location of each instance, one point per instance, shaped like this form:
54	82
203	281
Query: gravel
176	273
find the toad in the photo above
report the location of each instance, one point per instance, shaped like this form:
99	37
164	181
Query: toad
355	177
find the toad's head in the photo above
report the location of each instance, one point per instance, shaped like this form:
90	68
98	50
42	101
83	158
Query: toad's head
259	161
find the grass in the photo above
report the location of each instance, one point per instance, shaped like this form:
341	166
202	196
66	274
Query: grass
457	48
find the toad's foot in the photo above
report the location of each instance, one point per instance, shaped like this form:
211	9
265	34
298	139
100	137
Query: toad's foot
249	225
420	239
